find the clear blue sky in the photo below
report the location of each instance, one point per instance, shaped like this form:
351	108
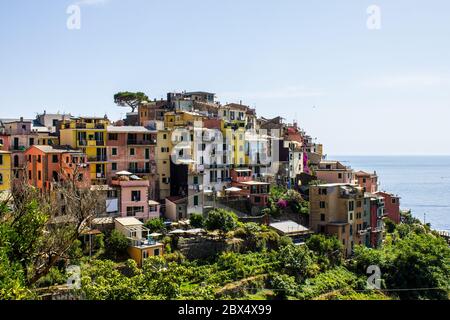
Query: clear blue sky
375	91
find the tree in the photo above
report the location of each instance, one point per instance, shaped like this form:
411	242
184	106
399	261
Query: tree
130	99
421	261
117	245
155	225
298	261
283	285
222	220
38	228
196	220
329	250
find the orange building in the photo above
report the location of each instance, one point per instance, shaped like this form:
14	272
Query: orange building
47	165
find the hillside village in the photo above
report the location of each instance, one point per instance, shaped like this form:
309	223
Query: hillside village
190	154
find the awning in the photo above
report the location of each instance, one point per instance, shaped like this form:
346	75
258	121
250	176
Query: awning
233	189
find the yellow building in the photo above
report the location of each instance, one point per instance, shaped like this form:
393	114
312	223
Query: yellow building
5	171
162	156
90	136
234	139
181	119
47	139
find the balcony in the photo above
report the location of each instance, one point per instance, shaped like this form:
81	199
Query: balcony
141	142
18	148
97	159
140	170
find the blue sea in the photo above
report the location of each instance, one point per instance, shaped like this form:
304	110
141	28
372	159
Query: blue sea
422	182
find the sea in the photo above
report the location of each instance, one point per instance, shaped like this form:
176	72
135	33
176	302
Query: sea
422	182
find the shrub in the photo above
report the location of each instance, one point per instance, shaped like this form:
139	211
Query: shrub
196	220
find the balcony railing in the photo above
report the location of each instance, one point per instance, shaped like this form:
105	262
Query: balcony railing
140	170
141	142
97	159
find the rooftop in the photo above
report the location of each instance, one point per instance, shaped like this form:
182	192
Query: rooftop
51	149
289	227
125	129
128	221
254	183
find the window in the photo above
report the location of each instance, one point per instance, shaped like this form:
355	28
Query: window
55	122
351	205
351	230
322	229
132	152
114	166
339	175
1	159
322	204
257	199
29	174
343	229
195	180
136	195
322	217
39	158
351	215
195	200
156	252
31	141
144	254
114	151
55	158
164	136
1	178
39	175
358	204
364	180
112	136
132	211
393	200
322	191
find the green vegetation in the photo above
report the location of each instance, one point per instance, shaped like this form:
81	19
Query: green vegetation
414	262
221	220
197	220
282	200
156	225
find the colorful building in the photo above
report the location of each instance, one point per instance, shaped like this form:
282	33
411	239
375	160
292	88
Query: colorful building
367	181
141	244
88	134
334	172
391	206
133	200
376	219
17	136
256	192
337	209
5	171
132	149
47	165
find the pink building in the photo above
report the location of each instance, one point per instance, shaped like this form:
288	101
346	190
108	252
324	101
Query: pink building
134	201
334	172
17	136
367	181
391	206
132	149
257	192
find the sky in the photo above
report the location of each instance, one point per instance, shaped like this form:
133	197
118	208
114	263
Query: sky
358	90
